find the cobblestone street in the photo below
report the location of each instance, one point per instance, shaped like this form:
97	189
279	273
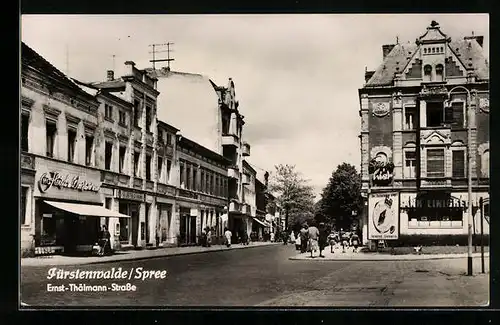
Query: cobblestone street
264	276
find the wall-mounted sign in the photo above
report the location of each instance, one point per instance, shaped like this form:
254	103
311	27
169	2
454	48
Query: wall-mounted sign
484	104
129	195
383	216
381	109
65	181
382	172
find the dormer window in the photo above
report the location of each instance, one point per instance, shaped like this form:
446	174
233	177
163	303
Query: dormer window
439	72
427	73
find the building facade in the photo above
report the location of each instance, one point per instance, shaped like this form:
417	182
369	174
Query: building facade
415	139
96	154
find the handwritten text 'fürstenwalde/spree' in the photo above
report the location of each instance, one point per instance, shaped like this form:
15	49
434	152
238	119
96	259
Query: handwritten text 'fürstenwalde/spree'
138	273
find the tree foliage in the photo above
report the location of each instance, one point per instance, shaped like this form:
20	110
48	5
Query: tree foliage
293	194
341	197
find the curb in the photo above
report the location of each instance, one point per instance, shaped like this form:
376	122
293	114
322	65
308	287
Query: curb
367	259
138	258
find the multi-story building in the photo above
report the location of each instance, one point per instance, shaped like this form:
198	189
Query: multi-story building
95	154
415	136
262	226
249	206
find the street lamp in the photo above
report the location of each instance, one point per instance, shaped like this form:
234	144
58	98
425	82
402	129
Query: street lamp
469	175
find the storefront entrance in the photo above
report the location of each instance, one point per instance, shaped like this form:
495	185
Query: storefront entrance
188	229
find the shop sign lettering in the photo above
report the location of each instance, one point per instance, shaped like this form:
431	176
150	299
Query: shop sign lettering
55	179
435	203
131	196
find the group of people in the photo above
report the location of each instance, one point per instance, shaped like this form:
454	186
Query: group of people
315	239
206	236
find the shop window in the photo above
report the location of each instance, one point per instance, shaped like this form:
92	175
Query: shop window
410	118
148	167
410	164
137	113
89	146
122	152
25	120
71	145
435	114
108	112
122	118
458	163
51	131
439	72
427	73
108	155
136	163
485	164
435	218
169	167
24	201
148	118
195	183
435	162
160	169
124	237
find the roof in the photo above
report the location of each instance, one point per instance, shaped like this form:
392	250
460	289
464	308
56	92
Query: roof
247	165
468	50
31	58
110	84
168	126
165	73
187	143
95	91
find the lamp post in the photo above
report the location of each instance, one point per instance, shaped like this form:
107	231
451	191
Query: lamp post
469	176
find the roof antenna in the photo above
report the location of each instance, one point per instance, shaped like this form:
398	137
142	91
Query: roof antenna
397	39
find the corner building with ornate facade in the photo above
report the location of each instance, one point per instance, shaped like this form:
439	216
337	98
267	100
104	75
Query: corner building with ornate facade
415	140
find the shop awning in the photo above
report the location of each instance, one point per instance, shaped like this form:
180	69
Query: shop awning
262	223
86	209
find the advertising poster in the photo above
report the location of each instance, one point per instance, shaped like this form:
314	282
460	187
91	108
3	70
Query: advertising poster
383	216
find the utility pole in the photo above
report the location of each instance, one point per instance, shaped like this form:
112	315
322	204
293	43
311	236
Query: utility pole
155	51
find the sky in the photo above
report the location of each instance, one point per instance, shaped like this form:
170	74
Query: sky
296	76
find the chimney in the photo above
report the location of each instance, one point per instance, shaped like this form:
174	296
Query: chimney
386	49
266	179
111	75
479	39
368	75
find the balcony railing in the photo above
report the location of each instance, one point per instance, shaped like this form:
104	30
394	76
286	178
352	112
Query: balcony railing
230	140
246	149
166	189
149	185
138	183
233	172
187	193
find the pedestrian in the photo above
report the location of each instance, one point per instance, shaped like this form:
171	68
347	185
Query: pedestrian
355	242
298	243
303	238
209	236
105	238
313	234
292	237
227	235
331	240
322	239
285	237
344	237
271	237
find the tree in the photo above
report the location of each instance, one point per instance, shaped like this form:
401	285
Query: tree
341	197
293	194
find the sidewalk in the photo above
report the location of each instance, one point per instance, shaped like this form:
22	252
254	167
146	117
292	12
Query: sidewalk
133	255
349	255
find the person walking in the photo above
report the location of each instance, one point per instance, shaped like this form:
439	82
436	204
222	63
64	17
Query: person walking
298	242
313	234
303	238
209	236
332	241
227	235
322	238
105	241
355	242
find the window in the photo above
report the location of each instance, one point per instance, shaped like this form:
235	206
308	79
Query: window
107	203
427	73
212	184
410	163
24	201
160	137
169	166
207	183
71	145
148	118
108	154
122	118
189	182
195	183
435	116
457	118
458	163
108	112
124	208
136	163
439	72
435	162
51	130
25	120
410	118
181	173
216	185
160	169
485	164
169	139
89	146
122	152
148	167
202	179
137	113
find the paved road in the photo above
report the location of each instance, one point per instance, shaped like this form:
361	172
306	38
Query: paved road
264	276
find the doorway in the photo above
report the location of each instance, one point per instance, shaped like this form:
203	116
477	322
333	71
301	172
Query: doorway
134	214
